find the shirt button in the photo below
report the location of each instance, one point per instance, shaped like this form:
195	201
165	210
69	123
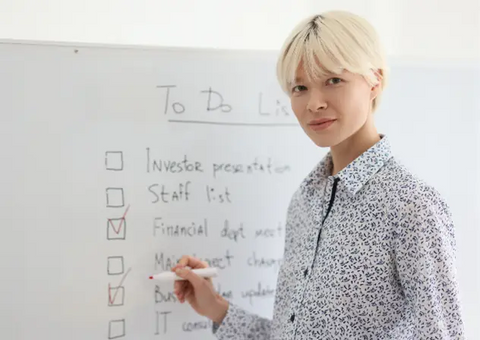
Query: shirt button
305	272
292	318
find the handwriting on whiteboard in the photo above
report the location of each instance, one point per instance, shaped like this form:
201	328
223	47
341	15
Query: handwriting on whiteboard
214	101
185	180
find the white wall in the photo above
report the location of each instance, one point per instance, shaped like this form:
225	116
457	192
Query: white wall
438	29
226	24
427	29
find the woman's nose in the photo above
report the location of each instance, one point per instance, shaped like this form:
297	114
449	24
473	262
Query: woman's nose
316	103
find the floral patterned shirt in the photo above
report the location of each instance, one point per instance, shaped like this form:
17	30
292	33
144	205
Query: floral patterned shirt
369	254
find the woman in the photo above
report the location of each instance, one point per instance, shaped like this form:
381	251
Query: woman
369	247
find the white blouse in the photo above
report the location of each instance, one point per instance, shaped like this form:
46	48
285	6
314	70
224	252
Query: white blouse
369	254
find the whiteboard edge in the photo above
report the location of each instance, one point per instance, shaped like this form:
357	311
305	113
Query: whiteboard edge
401	61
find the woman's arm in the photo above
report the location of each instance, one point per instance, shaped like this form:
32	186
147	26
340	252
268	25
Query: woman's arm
240	324
425	259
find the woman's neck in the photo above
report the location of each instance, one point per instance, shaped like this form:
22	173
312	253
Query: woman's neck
351	148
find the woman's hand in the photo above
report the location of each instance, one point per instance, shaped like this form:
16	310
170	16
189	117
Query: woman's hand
199	291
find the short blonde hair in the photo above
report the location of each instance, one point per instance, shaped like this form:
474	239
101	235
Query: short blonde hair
330	43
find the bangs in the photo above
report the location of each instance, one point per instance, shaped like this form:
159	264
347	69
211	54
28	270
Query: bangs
321	52
316	59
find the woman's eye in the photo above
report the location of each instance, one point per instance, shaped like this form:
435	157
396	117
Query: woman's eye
334	81
299	88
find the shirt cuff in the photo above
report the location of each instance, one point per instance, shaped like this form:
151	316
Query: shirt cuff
222	330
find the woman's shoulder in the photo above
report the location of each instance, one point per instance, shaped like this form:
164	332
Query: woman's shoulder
415	208
405	189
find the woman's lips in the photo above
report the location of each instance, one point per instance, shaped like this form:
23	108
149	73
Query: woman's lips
321	126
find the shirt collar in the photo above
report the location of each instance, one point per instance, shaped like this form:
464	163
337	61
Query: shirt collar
355	175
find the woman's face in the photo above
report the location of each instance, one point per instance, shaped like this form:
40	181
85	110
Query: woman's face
344	99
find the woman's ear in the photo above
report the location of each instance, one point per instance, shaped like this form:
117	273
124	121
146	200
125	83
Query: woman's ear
375	90
379	74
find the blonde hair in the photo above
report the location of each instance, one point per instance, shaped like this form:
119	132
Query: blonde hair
330	43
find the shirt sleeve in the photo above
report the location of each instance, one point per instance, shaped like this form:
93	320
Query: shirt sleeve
425	257
240	324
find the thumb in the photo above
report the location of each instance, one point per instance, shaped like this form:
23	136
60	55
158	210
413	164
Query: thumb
190	276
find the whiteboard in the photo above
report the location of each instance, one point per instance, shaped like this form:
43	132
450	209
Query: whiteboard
125	159
119	160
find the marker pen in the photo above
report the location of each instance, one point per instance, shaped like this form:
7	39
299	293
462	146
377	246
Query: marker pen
171	276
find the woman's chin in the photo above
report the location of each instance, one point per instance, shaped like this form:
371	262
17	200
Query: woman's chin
322	141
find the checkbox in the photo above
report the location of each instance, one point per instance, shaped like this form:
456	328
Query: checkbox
116	329
115	265
114	160
116	228
116	296
115	198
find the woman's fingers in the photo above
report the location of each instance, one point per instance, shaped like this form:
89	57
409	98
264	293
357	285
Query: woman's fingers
188	295
178	285
188	291
192	262
187	261
182	287
196	281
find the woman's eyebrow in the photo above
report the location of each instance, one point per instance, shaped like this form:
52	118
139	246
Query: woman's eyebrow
332	74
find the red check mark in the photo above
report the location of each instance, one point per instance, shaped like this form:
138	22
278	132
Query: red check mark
111	299
122	221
